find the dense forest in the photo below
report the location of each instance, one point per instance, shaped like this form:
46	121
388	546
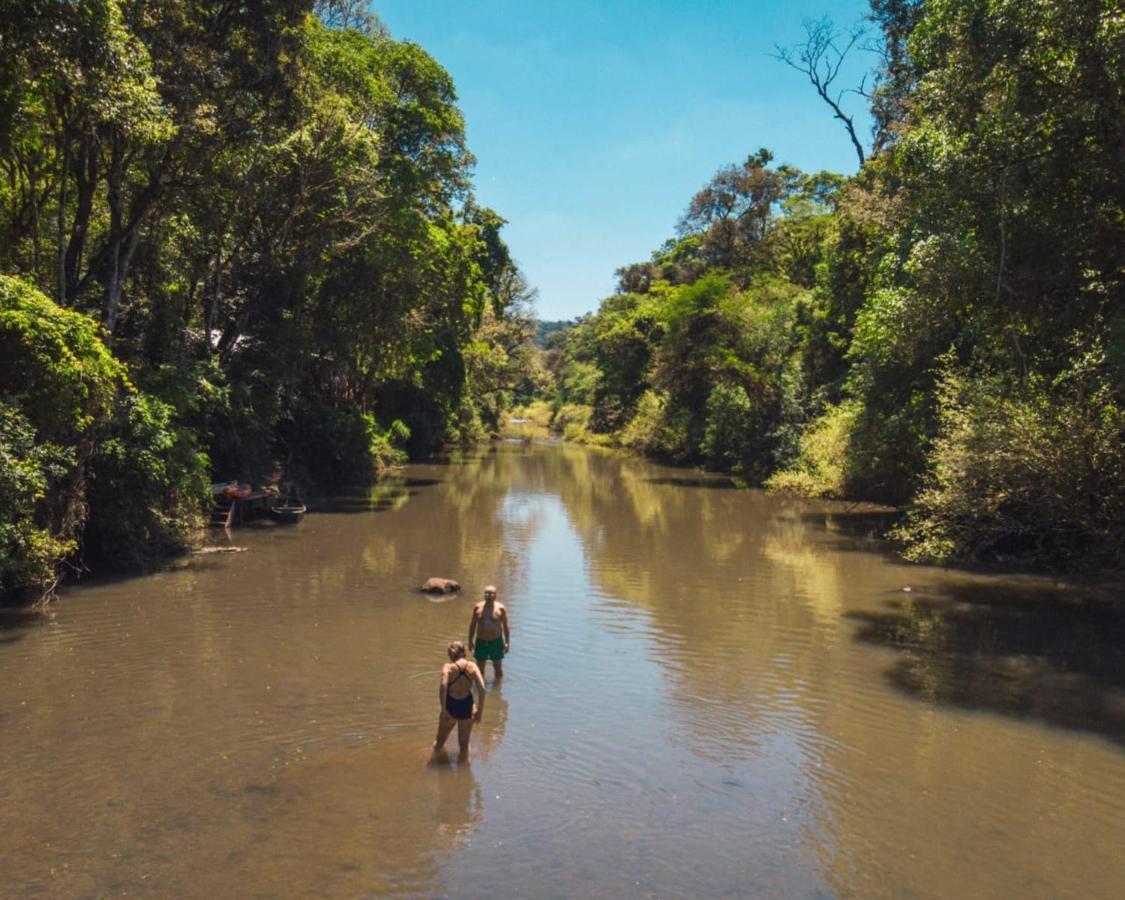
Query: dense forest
239	242
943	331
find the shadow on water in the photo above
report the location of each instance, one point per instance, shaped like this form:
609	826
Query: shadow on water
865	524
710	483
860	531
1048	653
344	505
385	495
16	622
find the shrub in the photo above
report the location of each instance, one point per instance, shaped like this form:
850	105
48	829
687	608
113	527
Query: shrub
730	429
1030	471
538	412
29	552
55	361
822	462
657	429
333	446
148	487
572	421
57	387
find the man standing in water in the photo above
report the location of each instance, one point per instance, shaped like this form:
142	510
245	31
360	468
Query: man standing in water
489	634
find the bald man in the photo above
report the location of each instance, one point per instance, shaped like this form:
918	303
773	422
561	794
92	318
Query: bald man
490	637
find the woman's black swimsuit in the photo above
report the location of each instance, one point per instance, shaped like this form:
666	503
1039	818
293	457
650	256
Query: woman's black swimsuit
459	708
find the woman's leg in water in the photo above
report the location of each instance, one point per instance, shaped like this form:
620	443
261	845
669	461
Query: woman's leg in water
444	726
464	730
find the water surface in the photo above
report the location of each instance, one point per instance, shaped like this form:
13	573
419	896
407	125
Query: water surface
711	692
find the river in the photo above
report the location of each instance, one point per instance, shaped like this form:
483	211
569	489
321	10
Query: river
711	692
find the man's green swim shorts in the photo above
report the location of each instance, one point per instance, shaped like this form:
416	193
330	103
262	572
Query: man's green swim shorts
493	649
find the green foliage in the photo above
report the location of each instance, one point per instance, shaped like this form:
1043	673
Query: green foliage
55	361
332	446
87	460
572	421
658	428
578	381
148	487
57	386
29	552
799	324
730	429
1024	471
825	448
269	213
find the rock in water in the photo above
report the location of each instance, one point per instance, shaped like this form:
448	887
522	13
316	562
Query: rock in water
441	586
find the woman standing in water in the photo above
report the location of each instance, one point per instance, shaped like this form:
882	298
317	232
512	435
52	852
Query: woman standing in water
456	694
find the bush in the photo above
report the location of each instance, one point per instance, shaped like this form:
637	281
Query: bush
656	428
1032	471
149	485
335	446
538	412
822	462
578	382
730	429
54	360
57	386
29	553
572	421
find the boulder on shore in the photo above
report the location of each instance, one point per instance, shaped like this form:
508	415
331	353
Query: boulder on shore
441	586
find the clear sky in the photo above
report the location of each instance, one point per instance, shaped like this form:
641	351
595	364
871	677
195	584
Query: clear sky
594	121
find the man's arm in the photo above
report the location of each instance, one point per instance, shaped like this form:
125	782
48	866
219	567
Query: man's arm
478	679
507	632
473	629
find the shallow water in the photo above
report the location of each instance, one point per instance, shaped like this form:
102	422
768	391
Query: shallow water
711	692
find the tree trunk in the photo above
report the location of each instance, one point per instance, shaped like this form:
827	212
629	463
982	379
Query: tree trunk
86	179
64	176
124	236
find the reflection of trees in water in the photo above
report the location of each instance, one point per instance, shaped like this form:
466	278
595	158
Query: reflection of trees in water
448	520
696	560
464	531
750	597
1042	652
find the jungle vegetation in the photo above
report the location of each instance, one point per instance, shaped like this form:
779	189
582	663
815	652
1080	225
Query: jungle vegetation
238	238
943	331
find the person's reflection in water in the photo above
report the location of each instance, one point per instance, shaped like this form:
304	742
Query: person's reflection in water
456	698
458	802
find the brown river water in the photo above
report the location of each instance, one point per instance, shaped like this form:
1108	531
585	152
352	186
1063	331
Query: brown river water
711	692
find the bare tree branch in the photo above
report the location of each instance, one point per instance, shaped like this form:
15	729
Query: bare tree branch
820	58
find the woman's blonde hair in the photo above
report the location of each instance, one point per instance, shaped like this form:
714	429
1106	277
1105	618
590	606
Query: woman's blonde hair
457	649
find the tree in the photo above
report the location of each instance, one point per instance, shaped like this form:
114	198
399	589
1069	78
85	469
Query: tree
732	212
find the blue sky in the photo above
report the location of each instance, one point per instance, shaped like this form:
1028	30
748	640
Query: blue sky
593	123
